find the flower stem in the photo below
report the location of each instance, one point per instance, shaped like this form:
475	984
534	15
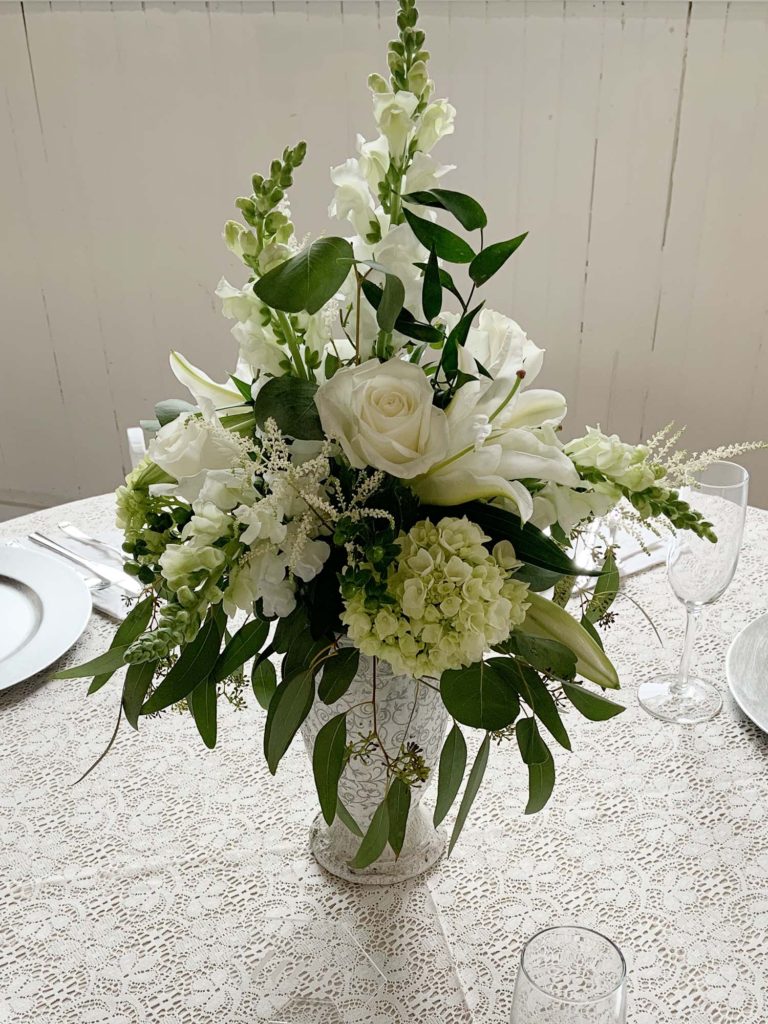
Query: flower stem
293	343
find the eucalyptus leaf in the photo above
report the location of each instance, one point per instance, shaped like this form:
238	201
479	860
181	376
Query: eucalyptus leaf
470	791
431	289
287	628
290	705
547	656
202	703
375	838
605	590
541	782
170	409
453	762
308	280
108	662
338	673
537	579
398	806
263	681
328	763
467	211
447	245
534	692
194	664
492	258
533	749
132	626
290	402
592	630
244	645
347	820
479	697
138	679
392	299
593	706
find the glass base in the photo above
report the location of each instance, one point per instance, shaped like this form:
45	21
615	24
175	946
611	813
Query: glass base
698	701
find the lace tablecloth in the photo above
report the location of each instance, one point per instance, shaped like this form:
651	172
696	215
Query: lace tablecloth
175	884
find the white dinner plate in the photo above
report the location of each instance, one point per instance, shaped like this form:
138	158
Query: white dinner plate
44	607
746	667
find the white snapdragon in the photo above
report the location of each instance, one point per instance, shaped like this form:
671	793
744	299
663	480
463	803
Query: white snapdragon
424	173
314	554
225	488
352	200
207	525
238	303
434	124
625	464
394	116
374	160
263	522
569	507
382	416
186	564
259	348
261	577
189	444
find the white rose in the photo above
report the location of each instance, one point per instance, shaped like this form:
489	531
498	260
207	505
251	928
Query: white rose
436	122
394	116
374	160
382	416
236	303
188	445
352	201
259	348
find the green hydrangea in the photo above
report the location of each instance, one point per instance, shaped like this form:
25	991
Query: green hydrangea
448	600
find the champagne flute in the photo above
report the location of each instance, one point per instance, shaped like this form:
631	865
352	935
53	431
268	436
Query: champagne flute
699	573
570	975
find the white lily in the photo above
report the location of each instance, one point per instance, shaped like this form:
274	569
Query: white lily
203	389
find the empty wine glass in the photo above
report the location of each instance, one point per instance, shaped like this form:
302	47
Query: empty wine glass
699	573
570	975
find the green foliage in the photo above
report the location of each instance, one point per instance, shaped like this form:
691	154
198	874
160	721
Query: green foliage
392	299
138	679
133	625
470	792
194	664
108	662
479	697
492	258
605	590
593	706
307	281
467	211
453	762
398	806
263	681
338	673
243	646
548	656
530	687
448	245
431	289
202	704
290	402
290	705
328	763
375	838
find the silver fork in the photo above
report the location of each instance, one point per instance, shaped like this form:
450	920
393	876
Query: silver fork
85	538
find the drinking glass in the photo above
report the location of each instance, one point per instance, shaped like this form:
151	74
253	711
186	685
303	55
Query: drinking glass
570	975
699	573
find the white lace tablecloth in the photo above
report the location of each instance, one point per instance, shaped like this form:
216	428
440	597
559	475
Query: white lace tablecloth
175	884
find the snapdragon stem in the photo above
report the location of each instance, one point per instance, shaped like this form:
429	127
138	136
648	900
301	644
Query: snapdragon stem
293	344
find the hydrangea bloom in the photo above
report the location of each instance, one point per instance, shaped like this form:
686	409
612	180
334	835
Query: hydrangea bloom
452	600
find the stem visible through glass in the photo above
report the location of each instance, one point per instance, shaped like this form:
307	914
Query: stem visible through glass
691	629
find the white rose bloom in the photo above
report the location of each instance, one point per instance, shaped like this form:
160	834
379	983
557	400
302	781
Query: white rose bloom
382	416
187	445
259	348
353	200
394	116
236	303
374	161
424	173
436	122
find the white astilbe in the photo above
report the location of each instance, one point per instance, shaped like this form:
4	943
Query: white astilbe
682	466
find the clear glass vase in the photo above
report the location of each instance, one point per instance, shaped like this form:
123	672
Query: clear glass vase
407	711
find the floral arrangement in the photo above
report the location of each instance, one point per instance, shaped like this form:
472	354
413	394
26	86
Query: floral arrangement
378	469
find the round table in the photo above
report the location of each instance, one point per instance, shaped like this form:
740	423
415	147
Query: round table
175	884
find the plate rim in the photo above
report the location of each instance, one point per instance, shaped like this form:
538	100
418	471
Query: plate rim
22	665
729	673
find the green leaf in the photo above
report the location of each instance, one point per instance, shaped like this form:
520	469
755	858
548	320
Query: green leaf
338	673
537	579
530	544
492	258
470	791
431	289
547	656
391	304
301	653
479	697
290	402
132	626
289	627
419	332
446	281
593	706
467	211
245	644
375	838
264	681
535	693
347	820
138	679
288	708
541	782
243	387
457	337
591	629
110	661
202	704
447	245
328	763
533	749
605	591
398	806
194	664
309	280
453	762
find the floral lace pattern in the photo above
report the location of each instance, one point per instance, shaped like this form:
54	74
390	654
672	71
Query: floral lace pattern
175	884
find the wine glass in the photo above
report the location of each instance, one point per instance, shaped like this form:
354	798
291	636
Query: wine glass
570	975
699	573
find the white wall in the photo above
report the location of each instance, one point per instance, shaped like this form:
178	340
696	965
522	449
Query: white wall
630	139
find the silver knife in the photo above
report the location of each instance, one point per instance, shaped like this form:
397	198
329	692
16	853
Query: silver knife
115	577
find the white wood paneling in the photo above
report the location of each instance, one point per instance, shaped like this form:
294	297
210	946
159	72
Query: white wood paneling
630	139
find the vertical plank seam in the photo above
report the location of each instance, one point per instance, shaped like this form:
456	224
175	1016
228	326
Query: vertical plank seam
34	80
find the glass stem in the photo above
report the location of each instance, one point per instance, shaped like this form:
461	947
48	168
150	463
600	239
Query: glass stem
691	629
